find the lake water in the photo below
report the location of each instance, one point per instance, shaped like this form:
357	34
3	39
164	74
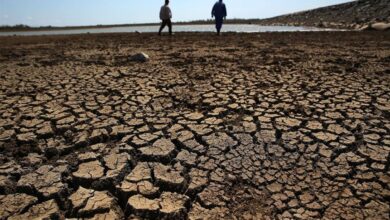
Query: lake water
239	28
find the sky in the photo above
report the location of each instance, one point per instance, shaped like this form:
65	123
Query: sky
94	12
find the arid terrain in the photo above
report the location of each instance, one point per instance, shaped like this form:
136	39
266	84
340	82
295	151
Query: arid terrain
350	15
242	126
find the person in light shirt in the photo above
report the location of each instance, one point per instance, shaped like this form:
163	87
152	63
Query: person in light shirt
165	16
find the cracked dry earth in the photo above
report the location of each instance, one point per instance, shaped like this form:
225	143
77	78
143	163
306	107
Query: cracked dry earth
245	126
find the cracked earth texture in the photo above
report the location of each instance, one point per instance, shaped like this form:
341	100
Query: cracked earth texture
243	126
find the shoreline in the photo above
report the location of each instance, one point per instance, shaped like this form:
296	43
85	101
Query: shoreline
180	29
110	26
259	23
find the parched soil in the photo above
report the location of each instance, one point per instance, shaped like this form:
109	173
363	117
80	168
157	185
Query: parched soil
242	126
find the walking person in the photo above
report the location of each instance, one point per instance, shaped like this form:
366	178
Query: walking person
220	13
165	16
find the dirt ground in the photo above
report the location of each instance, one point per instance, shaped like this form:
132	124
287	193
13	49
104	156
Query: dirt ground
242	126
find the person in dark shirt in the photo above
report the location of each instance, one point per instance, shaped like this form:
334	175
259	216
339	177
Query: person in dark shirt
220	13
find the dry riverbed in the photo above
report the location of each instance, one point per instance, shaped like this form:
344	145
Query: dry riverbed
242	126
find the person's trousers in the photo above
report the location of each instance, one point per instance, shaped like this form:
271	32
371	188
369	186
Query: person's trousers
218	24
165	23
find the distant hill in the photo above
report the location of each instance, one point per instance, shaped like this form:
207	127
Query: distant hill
352	15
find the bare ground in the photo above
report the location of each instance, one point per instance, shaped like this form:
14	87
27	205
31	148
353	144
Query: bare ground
243	126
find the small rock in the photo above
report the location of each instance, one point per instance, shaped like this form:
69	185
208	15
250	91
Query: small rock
380	26
140	57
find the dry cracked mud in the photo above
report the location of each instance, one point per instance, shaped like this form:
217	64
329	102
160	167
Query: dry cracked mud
243	126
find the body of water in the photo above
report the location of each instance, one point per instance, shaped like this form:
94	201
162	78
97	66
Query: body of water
239	28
